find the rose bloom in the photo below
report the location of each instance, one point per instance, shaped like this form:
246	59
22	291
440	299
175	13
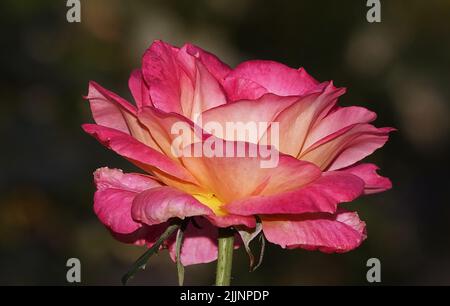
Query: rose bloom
320	145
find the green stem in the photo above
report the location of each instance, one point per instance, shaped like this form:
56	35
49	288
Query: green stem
225	257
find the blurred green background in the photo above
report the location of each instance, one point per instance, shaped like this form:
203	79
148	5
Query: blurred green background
398	68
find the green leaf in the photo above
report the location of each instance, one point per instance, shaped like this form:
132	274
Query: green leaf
262	240
247	237
141	262
178	245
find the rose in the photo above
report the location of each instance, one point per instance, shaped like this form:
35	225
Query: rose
296	203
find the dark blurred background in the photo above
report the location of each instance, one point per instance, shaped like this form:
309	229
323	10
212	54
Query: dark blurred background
398	68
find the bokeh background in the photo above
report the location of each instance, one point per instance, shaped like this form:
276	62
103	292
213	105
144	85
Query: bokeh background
398	68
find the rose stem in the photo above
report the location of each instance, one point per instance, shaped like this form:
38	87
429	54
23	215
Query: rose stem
225	256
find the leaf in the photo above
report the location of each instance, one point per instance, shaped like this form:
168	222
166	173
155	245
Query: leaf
247	237
141	262
178	245
261	252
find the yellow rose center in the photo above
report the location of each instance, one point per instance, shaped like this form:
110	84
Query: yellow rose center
212	202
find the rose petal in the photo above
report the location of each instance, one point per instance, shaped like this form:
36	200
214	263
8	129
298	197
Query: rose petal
329	233
296	120
157	205
199	244
276	78
114	197
139	89
374	183
137	152
321	195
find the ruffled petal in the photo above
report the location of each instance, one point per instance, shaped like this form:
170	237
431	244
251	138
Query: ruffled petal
329	233
114	197
374	183
179	82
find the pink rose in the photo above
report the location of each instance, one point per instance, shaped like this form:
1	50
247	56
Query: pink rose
318	146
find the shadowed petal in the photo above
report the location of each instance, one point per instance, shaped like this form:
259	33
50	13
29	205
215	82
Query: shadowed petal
199	243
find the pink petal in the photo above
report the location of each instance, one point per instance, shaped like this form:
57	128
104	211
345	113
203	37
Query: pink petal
223	176
214	65
179	82
160	125
374	183
321	195
157	205
338	119
139	89
262	110
243	89
346	147
199	244
328	233
137	152
360	147
276	78
114	197
231	220
162	73
108	109
296	121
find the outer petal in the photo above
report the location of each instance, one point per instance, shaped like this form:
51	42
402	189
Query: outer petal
374	183
328	233
139	89
114	196
320	195
199	244
157	205
274	77
108	109
137	152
